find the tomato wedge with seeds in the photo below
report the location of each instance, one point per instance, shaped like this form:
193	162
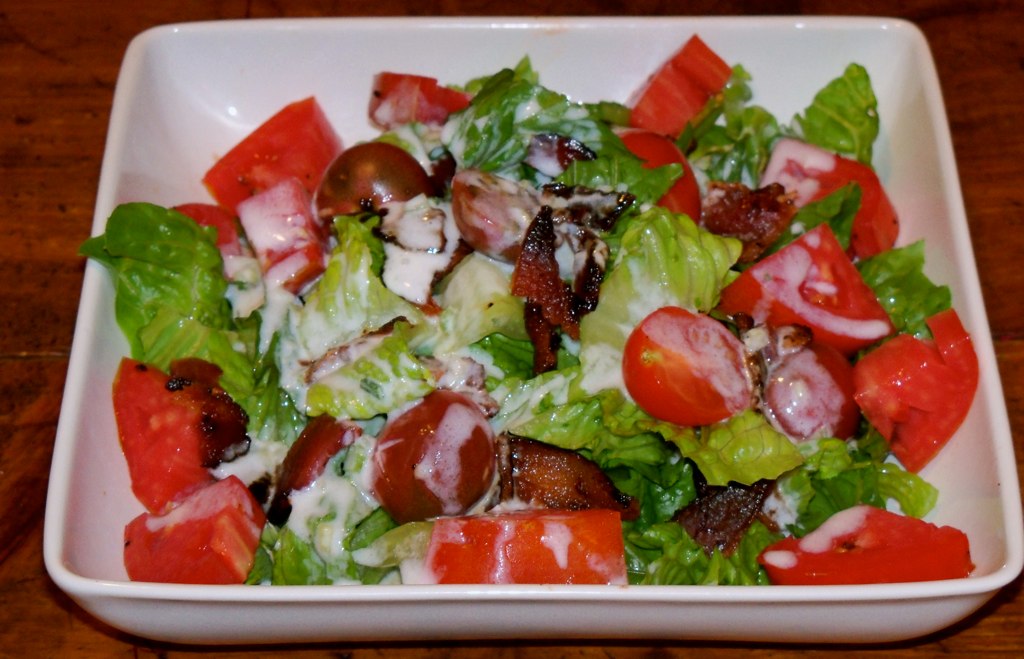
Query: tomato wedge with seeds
863	545
528	547
656	151
685	368
297	142
208	538
917	392
400	98
209	215
811	282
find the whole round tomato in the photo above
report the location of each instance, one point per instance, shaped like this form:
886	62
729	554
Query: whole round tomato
436	458
369	175
809	394
686	368
656	151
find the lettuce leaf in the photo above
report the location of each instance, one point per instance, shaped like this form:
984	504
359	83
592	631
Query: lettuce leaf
837	210
905	292
843	117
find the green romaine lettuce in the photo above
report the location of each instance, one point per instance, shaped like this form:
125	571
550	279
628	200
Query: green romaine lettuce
843	116
905	292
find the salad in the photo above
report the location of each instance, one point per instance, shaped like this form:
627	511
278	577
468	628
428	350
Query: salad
520	338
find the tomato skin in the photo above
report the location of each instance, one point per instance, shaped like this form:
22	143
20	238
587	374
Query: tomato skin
208	538
400	98
492	213
863	545
917	392
686	368
814	173
160	436
528	547
678	90
436	458
811	282
209	215
809	394
369	175
298	141
657	150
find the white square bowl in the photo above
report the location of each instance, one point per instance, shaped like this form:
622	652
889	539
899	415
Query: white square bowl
188	92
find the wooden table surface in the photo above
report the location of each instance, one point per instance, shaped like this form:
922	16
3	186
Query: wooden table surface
58	64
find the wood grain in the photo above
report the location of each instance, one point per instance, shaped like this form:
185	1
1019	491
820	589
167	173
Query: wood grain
58	65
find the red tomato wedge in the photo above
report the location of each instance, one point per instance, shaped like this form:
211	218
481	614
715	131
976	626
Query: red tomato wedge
297	142
533	547
226	224
400	98
685	368
289	242
864	544
208	538
811	282
657	150
814	173
917	392
679	90
160	435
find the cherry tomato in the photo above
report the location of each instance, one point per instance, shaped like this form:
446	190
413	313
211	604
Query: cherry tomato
811	282
369	175
865	544
657	150
437	458
814	173
297	142
680	89
686	368
492	213
208	538
809	394
917	392
528	547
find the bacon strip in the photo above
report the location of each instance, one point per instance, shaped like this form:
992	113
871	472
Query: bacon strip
547	476
757	217
721	514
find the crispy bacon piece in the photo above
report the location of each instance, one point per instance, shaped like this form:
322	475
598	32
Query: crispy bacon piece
757	217
547	476
222	421
720	515
321	439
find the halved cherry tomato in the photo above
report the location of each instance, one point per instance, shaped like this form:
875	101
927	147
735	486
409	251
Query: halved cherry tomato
297	142
400	98
811	282
809	394
917	392
492	213
679	90
657	150
208	538
685	368
290	244
160	434
367	176
814	173
529	547
865	544
226	224
436	458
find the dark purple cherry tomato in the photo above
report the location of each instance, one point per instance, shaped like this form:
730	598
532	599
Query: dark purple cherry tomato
369	175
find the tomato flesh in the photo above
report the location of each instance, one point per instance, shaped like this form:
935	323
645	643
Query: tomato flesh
530	547
297	142
401	98
436	458
679	90
657	150
208	538
209	215
863	545
160	436
917	392
814	173
685	368
811	282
